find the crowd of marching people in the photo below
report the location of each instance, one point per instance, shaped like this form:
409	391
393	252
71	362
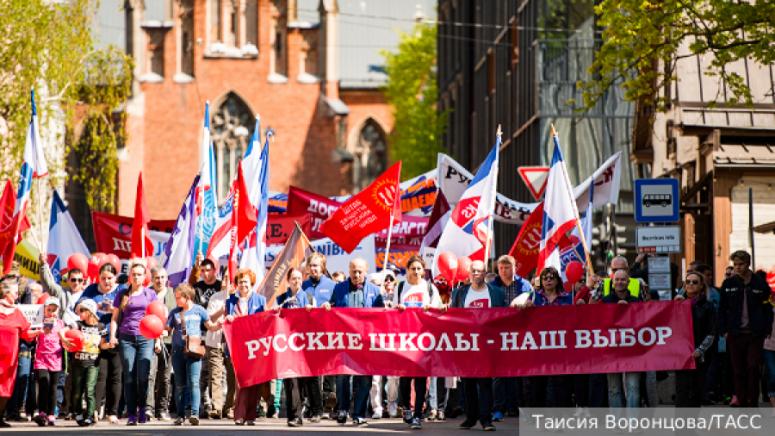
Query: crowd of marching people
120	375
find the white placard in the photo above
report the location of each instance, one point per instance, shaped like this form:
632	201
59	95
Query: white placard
659	264
33	313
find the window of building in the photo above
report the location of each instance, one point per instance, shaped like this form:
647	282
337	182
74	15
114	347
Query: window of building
186	40
232	29
370	153
232	125
278	58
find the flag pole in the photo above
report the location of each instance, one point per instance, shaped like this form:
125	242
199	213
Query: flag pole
389	235
488	240
40	216
583	239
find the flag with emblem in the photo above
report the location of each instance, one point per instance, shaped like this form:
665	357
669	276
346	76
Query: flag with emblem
560	212
468	230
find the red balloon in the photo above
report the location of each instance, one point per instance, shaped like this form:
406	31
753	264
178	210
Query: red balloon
151	326
463	267
76	338
448	265
113	260
78	261
157	308
574	271
93	270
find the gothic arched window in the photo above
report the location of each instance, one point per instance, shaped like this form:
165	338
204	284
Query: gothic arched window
232	127
370	152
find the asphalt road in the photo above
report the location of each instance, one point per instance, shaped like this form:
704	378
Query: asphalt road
207	427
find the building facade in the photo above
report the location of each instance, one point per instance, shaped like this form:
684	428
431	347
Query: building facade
311	70
517	65
723	154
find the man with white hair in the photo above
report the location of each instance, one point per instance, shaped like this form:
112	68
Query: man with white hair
355	292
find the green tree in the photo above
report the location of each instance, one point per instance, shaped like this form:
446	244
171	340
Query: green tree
642	40
412	91
47	46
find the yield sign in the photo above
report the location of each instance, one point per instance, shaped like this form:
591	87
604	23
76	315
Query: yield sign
535	179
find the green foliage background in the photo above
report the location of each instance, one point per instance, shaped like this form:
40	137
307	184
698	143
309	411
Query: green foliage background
642	40
47	46
412	91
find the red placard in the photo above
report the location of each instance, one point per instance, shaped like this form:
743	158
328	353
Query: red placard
592	338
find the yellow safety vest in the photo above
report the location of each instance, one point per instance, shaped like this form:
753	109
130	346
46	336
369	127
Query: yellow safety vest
633	286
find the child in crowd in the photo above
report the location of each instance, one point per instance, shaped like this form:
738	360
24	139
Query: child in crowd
48	362
85	369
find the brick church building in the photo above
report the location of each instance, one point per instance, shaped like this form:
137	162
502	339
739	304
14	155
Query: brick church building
311	69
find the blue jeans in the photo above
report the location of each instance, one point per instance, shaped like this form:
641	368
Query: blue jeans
769	363
23	381
361	384
136	354
187	374
616	393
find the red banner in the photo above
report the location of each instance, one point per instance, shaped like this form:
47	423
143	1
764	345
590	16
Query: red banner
113	233
279	227
318	207
593	338
367	212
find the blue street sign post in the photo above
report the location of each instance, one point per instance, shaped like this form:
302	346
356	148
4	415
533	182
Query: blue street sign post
656	201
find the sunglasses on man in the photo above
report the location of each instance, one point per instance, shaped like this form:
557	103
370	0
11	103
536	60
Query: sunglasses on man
76	280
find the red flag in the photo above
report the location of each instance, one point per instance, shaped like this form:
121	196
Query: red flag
528	242
142	245
318	207
10	227
247	215
367	212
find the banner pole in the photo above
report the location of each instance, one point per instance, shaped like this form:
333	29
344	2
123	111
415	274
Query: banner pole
387	245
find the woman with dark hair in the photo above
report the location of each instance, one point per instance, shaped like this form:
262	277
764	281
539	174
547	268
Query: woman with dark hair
136	350
13	325
242	303
554	390
690	383
109	377
417	293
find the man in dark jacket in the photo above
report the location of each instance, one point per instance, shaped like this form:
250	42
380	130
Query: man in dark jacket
478	391
355	292
745	318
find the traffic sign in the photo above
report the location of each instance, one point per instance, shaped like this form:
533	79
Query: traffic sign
535	178
656	200
659	239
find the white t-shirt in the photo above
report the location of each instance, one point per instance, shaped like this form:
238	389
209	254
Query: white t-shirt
416	295
217	302
478	299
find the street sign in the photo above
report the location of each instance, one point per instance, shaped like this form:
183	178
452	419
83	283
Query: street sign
656	200
535	178
662	239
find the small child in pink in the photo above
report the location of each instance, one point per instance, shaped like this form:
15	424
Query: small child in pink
48	362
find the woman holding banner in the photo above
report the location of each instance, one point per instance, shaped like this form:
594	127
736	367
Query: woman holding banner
242	303
690	383
414	292
295	388
553	390
136	350
13	325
